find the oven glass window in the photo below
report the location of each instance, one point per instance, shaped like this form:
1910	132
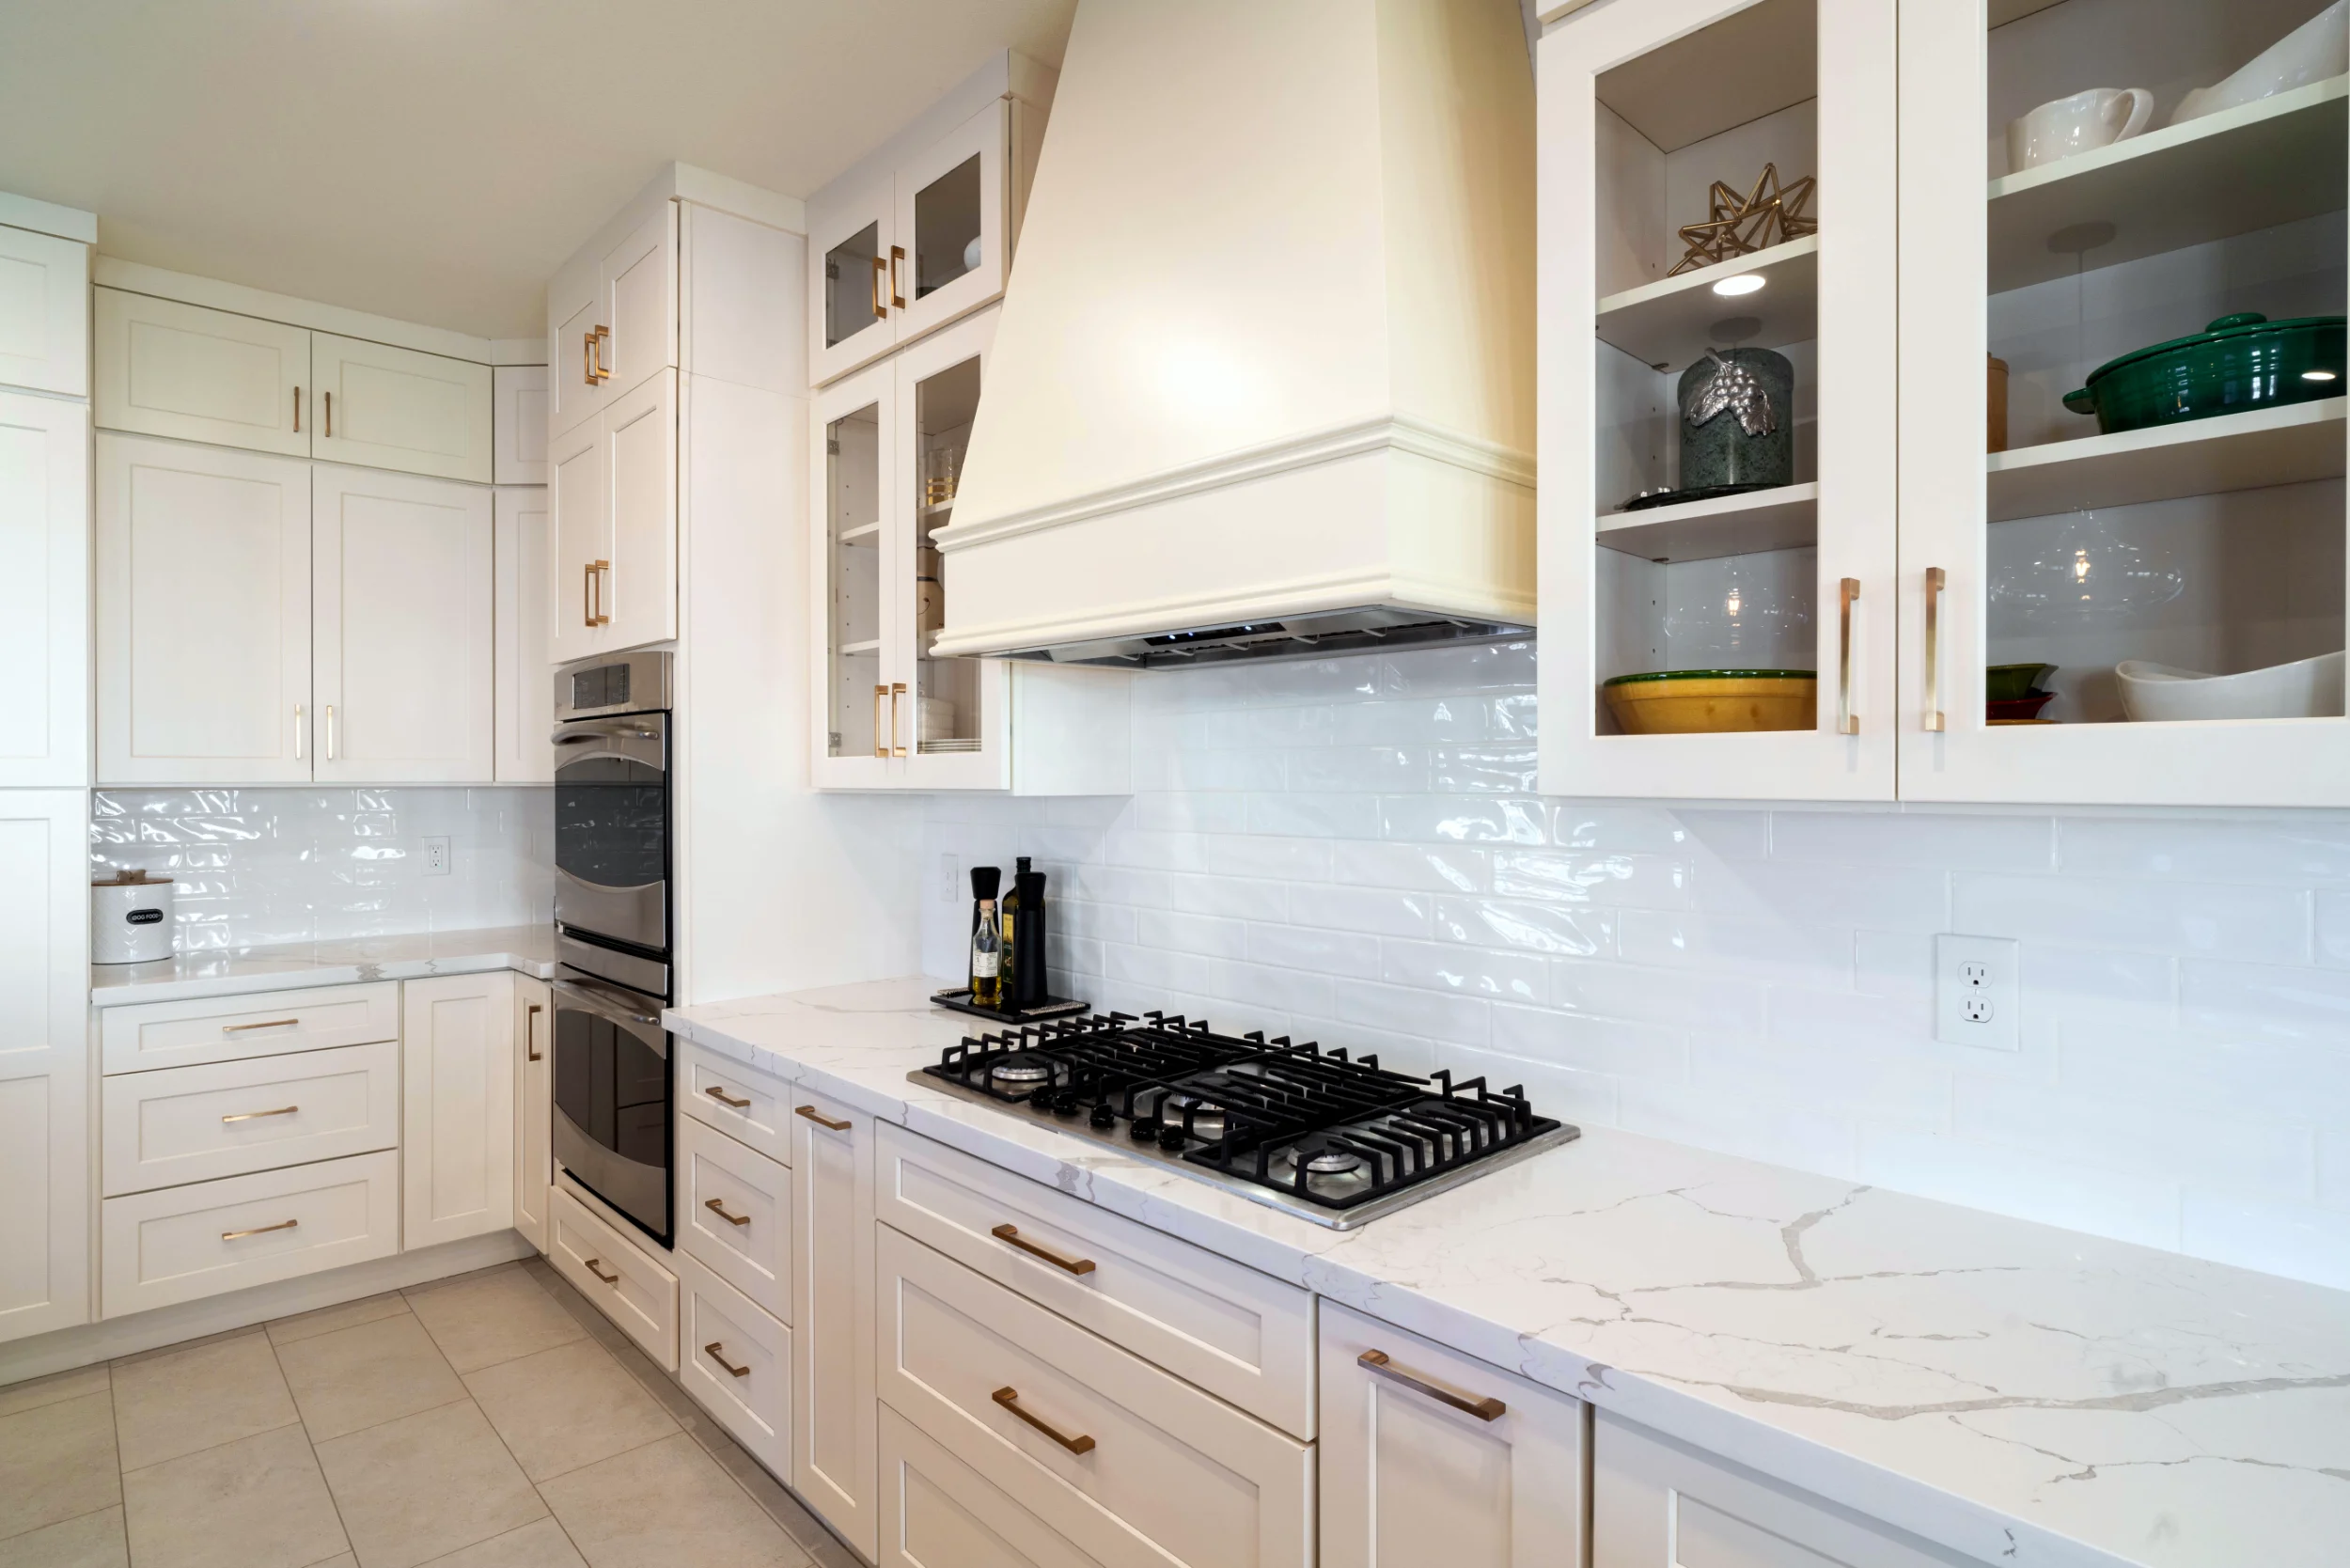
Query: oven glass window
611	822
612	1087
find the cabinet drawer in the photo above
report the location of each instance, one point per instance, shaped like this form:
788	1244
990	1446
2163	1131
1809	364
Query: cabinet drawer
1655	1500
181	1243
228	1117
1098	1443
743	1103
1237	1333
619	1276
227	1029
736	1216
736	1361
936	1512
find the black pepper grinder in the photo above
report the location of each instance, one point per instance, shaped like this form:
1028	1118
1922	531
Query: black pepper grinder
985	881
1028	976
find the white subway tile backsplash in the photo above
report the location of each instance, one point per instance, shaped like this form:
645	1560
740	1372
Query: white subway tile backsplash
1349	851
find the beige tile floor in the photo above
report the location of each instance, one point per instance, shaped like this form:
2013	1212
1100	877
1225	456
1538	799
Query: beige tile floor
493	1421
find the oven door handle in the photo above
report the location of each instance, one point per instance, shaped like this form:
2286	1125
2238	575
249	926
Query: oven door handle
570	993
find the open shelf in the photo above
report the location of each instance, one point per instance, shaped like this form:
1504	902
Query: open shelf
1749	64
871	646
1669	324
851	536
1782	519
2250	167
2200	457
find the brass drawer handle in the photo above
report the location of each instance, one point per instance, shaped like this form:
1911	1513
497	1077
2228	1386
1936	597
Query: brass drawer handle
881	738
1847	595
269	1024
717	1206
728	1100
1936	581
1485	1409
255	1115
603	371
880	308
297	430
330	415
820	1118
1010	1234
712	1350
897	260
258	1231
607	1279
1010	1400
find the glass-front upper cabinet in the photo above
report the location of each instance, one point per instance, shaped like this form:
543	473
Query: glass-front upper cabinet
1718	424
889	714
920	231
2122	374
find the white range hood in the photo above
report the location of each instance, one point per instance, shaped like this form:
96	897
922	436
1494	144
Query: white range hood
1263	382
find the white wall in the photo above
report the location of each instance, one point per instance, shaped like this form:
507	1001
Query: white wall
317	865
1352	851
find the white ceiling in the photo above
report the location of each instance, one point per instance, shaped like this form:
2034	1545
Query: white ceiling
435	159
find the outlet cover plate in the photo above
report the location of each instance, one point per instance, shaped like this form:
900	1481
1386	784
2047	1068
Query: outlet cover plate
1978	992
437	856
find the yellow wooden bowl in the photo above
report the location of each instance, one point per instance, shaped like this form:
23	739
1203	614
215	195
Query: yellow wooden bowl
1714	701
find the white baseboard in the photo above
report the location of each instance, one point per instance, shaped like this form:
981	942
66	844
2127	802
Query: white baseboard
63	1349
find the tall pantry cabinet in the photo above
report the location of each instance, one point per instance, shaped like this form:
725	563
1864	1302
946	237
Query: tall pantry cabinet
44	765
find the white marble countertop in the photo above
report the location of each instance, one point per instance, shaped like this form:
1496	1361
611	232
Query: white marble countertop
232	971
2017	1393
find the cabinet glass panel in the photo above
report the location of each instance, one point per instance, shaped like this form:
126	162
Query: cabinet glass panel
854	272
946	691
1706	577
2163	394
857	696
946	227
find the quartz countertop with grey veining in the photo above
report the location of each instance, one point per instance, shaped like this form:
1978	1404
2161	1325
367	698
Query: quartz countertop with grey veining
230	971
2014	1392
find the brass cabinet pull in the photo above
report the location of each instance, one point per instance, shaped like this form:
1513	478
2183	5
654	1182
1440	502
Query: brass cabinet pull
1484	1409
881	736
265	1024
712	1350
592	593
297	430
530	1032
1011	1234
897	747
724	1099
297	731
607	1279
258	1231
330	415
897	295
820	1118
255	1115
330	732
603	335
717	1206
1936	580
1848	594
881	308
1010	1400
588	356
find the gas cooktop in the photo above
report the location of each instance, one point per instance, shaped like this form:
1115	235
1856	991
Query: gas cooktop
1320	1134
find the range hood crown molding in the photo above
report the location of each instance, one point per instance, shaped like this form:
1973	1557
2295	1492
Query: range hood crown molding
1286	374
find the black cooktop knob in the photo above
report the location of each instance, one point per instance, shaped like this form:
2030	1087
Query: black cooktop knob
1065	1103
1103	1116
1172	1138
1042	1097
1143	1128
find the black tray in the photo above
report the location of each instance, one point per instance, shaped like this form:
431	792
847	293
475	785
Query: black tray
960	1001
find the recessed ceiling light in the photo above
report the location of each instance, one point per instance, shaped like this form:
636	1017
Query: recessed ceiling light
1744	283
2318	375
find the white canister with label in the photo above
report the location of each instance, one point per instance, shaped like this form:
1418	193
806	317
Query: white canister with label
129	918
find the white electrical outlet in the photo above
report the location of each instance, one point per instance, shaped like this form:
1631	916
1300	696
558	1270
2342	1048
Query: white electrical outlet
948	884
436	856
1977	987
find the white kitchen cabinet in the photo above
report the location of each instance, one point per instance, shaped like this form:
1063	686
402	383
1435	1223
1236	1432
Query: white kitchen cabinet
1429	1455
534	1106
401	639
144	1035
833	1405
615	500
734	1214
197	375
937	1510
524	673
388	407
44	312
44	580
607	1266
203	596
233	1117
735	1359
1656	1503
176	1244
1796	577
2211	544
612	315
518	424
457	1140
45	1163
921	231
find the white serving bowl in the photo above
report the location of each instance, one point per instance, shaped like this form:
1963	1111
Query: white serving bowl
2308	688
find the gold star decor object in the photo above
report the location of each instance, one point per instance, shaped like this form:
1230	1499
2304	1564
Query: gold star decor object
1739	225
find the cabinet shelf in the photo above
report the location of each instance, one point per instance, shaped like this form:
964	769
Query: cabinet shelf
2201	457
2179	186
1782	519
854	536
871	645
1668	324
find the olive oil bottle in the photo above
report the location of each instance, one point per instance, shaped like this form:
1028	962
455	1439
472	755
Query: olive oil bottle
987	985
1012	916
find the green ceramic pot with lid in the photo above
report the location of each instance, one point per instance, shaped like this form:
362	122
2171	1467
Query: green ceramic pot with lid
2239	362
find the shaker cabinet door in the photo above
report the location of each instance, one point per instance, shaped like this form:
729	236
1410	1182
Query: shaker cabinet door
44	312
833	1401
579	513
384	407
45	588
203	599
45	1157
534	1107
196	374
639	593
525	669
456	1141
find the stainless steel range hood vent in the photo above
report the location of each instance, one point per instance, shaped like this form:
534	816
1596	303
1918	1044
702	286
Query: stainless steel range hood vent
1263	382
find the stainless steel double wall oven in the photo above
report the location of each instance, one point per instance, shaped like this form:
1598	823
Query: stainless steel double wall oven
613	829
